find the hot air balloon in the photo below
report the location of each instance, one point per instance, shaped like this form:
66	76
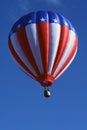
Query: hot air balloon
44	44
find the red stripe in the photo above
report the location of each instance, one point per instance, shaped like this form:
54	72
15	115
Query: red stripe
24	43
17	58
43	35
62	46
69	57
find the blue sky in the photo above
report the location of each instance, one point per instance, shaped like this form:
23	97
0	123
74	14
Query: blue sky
22	105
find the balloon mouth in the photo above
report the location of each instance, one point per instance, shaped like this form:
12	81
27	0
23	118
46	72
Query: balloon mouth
46	83
46	80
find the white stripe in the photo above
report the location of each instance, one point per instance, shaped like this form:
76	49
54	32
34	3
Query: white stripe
21	67
67	64
54	43
67	51
32	37
20	53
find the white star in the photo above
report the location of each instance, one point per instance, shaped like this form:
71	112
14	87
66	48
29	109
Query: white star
66	23
42	19
30	21
19	25
55	20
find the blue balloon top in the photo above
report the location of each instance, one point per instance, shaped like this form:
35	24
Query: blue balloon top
41	16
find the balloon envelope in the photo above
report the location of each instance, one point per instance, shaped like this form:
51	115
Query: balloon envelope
43	44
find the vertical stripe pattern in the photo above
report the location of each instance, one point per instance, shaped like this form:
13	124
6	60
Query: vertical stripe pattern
43	44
